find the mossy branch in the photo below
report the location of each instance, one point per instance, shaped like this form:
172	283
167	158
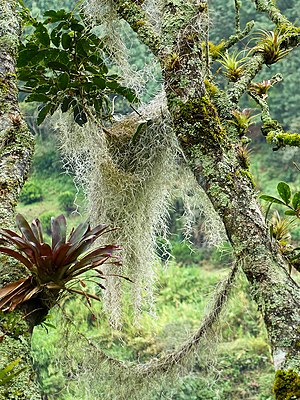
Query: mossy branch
132	12
272	129
282	23
268	7
251	69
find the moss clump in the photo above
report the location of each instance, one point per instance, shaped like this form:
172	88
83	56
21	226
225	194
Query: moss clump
284	139
287	385
247	174
212	89
198	123
270	126
216	49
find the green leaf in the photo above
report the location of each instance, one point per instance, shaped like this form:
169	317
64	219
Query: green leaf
57	66
55	37
290	212
271	199
68	101
25	57
284	192
42	98
100	82
43	37
63	81
77	27
296	200
66	41
79	115
43	113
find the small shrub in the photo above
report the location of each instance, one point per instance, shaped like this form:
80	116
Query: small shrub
45	219
66	201
185	254
31	193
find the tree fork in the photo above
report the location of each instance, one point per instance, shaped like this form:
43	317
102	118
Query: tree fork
210	148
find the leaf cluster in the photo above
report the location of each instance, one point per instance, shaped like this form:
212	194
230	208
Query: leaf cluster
233	65
53	267
272	45
286	199
63	64
280	227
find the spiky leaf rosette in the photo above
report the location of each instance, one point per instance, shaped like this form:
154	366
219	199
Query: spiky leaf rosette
53	267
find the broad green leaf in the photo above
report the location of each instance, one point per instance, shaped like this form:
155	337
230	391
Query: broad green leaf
290	212
43	37
57	66
43	113
25	57
68	101
66	41
42	98
100	82
77	27
296	200
271	199
55	37
63	81
284	192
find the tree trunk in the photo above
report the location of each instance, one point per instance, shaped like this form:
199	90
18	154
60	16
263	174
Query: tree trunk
201	117
16	149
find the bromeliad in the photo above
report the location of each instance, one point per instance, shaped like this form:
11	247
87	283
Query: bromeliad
53	268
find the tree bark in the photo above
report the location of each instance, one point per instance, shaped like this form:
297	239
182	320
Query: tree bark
16	149
212	147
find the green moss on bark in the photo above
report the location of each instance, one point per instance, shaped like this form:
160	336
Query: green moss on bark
198	123
287	385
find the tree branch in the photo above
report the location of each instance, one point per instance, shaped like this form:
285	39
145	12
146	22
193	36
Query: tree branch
272	129
132	12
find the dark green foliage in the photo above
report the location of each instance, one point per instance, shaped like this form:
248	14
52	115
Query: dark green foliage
45	219
66	201
63	65
52	267
31	193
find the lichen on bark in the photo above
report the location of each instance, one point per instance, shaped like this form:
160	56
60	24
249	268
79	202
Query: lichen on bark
16	149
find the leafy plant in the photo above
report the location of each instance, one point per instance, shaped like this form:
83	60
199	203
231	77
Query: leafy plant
280	231
54	268
45	219
286	199
63	65
31	193
261	88
233	65
271	45
66	201
8	373
242	120
279	227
